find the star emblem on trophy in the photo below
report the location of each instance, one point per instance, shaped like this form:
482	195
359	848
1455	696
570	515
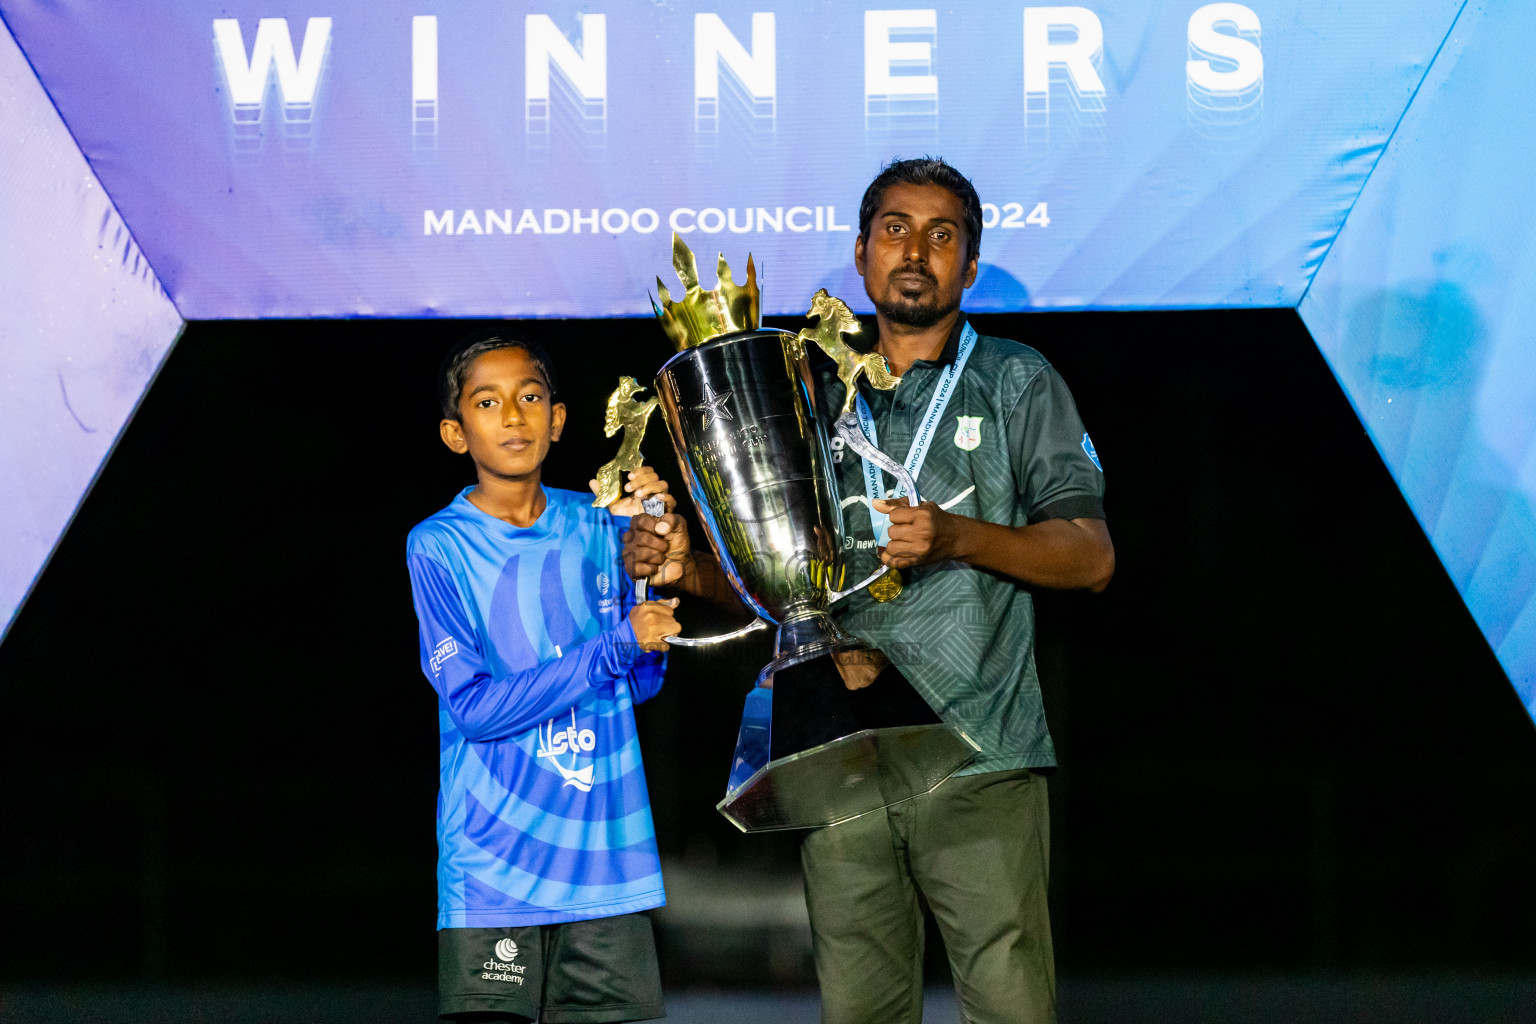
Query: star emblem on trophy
713	406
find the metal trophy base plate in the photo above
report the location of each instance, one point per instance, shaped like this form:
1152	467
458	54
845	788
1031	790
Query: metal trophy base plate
849	776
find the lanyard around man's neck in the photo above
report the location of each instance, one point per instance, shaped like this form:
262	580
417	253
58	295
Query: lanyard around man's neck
943	391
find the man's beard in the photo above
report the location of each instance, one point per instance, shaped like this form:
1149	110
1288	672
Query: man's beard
915	312
915	315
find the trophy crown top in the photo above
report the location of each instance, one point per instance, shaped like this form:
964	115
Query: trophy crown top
701	315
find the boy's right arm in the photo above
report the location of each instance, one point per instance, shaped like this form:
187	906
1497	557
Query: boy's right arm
487	707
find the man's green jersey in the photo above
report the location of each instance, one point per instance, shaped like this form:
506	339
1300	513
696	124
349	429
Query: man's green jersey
1009	449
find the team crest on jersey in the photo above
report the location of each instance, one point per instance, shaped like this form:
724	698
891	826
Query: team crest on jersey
442	652
602	583
568	743
967	433
1091	452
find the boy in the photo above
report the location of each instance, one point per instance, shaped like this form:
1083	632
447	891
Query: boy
538	653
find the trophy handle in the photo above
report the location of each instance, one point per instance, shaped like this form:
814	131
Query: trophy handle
848	429
838	595
705	641
656	507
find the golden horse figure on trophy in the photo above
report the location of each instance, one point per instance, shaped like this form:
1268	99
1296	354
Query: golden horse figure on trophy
630	415
836	320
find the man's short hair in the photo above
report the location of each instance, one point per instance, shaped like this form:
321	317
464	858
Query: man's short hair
455	368
927	170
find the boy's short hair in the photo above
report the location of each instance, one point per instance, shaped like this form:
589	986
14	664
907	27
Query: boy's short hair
927	170
455	368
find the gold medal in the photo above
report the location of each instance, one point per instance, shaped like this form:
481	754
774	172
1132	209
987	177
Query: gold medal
887	587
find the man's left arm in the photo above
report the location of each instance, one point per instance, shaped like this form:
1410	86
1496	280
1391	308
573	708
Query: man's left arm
1065	544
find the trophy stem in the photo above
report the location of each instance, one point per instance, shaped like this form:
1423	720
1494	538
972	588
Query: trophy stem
807	636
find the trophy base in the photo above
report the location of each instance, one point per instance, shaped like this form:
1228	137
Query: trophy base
852	775
829	761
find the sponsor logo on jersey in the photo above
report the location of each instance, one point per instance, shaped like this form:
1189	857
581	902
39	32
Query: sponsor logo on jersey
442	652
502	968
967	433
568	743
1091	452
605	600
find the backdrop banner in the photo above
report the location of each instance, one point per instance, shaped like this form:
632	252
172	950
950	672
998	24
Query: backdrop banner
1426	310
84	326
391	158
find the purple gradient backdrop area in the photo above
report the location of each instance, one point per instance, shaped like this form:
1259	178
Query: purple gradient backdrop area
1154	199
84	325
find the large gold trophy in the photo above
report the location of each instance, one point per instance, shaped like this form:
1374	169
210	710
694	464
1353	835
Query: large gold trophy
739	404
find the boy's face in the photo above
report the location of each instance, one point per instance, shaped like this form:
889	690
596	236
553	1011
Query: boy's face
506	420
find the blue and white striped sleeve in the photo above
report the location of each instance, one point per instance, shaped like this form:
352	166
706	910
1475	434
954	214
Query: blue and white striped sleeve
486	707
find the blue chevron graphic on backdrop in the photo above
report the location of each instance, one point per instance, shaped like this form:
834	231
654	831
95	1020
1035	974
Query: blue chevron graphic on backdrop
1426	309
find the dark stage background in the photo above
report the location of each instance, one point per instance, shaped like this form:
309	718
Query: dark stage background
1285	746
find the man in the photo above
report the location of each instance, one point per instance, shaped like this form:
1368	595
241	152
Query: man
1012	500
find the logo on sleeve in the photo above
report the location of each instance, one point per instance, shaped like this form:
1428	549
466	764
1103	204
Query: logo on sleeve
442	652
967	433
1091	452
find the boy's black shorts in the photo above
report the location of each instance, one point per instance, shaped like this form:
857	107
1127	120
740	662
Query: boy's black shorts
579	972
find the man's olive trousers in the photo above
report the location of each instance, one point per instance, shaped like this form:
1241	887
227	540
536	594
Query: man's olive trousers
977	851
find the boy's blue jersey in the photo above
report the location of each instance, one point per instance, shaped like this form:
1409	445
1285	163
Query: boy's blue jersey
543	814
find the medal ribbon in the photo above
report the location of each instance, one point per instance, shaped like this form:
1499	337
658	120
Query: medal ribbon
943	391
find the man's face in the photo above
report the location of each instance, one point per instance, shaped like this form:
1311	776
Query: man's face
506	420
914	264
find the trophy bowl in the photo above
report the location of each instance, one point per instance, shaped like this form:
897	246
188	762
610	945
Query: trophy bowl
758	465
